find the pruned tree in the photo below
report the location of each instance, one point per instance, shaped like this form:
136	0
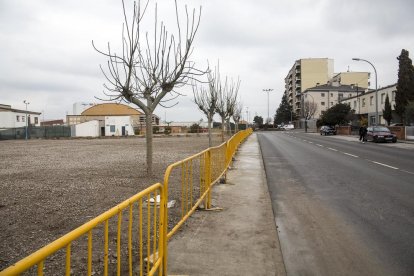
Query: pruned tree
227	98
387	112
309	109
237	115
206	98
147	71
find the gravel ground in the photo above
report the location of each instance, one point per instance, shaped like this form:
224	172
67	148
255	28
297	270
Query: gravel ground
50	187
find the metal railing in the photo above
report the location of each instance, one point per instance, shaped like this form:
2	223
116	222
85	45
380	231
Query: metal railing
146	231
143	244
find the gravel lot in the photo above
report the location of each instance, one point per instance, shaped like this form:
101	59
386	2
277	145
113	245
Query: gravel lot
50	187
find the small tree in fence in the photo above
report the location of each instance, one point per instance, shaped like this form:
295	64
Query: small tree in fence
206	98
237	115
227	98
146	72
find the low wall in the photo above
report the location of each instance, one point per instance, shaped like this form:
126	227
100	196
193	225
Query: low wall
343	130
399	131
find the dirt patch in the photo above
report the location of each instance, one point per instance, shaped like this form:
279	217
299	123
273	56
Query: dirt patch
50	187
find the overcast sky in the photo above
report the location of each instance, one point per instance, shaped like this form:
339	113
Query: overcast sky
47	57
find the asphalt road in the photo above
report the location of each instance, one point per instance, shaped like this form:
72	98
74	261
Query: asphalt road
341	207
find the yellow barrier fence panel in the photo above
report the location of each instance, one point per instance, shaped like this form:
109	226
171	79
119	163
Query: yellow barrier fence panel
107	244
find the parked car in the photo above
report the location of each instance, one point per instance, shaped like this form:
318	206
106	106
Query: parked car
380	134
327	130
288	127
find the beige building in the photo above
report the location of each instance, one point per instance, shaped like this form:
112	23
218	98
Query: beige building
327	95
364	104
360	79
306	73
311	72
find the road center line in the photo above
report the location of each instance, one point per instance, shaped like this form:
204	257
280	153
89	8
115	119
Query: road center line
350	154
310	142
332	149
385	165
319	145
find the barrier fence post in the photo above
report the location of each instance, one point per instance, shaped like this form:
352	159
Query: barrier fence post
208	178
164	226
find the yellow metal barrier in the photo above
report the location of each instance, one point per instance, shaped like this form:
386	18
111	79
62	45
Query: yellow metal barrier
143	244
146	246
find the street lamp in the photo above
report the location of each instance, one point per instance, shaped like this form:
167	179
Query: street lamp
26	103
309	109
267	90
376	88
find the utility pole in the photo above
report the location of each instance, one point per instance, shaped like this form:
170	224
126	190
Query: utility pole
26	103
268	90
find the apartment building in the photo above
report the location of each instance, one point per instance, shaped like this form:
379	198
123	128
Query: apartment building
312	72
306	73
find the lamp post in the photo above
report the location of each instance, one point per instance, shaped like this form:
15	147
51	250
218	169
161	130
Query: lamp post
26	103
268	91
308	111
376	88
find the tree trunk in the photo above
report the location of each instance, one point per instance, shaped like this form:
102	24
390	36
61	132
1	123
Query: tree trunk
148	135
222	129
210	143
228	126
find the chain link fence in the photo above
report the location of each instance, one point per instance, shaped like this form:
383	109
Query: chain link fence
45	132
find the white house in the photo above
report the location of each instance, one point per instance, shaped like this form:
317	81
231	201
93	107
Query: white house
14	118
87	129
118	126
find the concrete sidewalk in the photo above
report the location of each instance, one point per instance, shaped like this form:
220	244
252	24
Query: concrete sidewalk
239	240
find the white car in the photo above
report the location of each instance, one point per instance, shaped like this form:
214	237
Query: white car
288	127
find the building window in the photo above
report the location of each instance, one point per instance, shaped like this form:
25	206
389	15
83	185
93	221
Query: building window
355	105
363	102
332	104
322	103
322	94
36	120
112	128
340	96
371	100
382	98
23	118
17	118
393	95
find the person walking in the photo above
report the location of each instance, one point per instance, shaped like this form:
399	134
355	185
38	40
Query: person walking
362	133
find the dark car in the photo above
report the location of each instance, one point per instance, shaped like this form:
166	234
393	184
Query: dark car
380	134
327	130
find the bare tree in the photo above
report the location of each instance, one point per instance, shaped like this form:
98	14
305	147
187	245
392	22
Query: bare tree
206	99
237	115
227	98
309	109
147	71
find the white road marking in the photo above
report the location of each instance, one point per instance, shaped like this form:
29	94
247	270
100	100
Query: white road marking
332	149
351	155
385	165
319	145
407	172
310	142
